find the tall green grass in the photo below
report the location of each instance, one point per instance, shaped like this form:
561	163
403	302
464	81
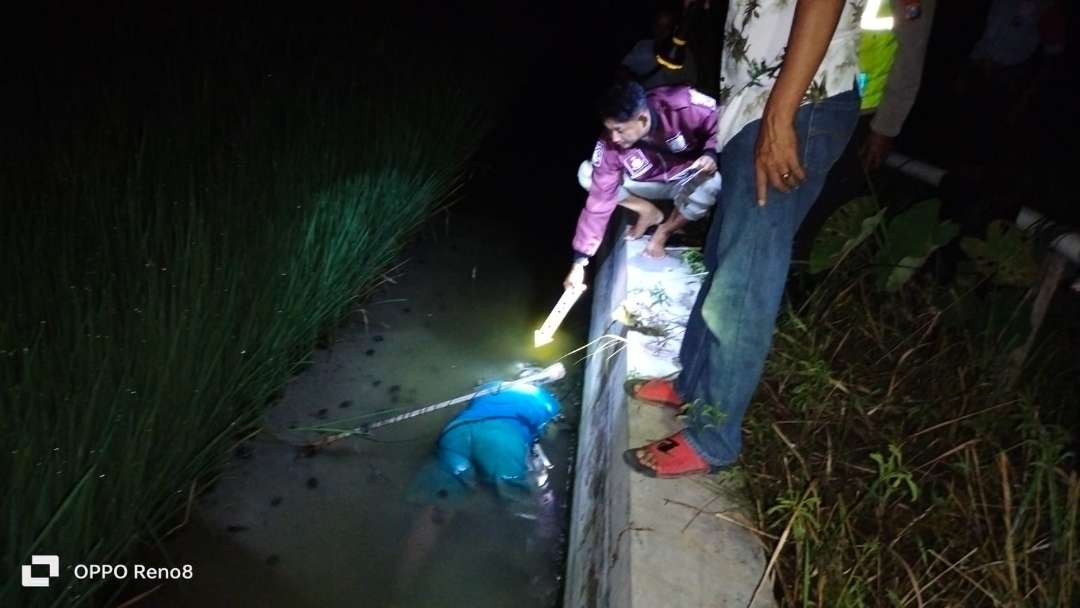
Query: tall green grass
166	267
887	452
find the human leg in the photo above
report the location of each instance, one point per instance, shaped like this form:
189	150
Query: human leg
695	343
748	252
424	534
635	196
647	215
659	392
690	209
752	257
672	392
663	232
639	197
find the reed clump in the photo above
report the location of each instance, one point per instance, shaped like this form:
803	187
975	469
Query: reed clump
167	267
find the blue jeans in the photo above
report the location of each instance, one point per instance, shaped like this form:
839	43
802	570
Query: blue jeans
747	254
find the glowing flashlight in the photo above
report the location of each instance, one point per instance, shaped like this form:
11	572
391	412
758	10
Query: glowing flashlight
570	296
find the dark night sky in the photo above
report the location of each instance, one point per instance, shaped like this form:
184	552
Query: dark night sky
552	56
564	51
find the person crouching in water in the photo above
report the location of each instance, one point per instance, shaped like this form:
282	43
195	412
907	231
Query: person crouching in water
493	442
653	142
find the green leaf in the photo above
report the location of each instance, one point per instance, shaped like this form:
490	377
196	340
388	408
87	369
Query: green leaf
695	260
910	238
902	272
1005	255
879	459
845	230
913	489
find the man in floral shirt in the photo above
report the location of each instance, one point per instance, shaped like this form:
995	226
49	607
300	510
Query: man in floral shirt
789	108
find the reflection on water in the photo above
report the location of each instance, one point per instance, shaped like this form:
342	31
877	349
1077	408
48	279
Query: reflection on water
336	529
487	553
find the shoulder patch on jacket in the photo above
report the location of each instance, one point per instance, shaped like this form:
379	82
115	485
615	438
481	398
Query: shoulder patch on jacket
700	99
636	163
597	153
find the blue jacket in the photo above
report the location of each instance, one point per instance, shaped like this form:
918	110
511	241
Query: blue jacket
490	440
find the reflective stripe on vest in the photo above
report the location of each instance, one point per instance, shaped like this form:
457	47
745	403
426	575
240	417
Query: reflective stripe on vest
875	19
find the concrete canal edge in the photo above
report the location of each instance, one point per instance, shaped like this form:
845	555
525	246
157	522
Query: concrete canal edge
634	541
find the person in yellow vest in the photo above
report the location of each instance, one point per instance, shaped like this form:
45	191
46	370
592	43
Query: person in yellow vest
891	56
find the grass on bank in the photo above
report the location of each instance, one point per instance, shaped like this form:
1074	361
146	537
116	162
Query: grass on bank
887	452
167	268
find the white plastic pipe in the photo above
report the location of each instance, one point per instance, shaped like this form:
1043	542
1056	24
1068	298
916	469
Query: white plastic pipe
1067	244
924	172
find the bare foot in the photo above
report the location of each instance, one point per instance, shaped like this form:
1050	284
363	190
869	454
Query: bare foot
646	218
655	248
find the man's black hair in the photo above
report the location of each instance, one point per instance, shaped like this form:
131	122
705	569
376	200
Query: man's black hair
621	101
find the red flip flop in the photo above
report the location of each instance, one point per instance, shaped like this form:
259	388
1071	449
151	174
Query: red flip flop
658	391
673	456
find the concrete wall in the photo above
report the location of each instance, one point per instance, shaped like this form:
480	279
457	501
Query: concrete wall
596	576
637	541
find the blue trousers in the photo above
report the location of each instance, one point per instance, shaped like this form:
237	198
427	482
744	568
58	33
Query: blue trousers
748	254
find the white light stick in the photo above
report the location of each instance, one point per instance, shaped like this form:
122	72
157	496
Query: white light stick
569	297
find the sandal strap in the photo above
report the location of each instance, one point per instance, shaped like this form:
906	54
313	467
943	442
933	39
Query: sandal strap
658	391
675	457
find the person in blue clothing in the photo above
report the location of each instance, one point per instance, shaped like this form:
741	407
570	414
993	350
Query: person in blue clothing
493	442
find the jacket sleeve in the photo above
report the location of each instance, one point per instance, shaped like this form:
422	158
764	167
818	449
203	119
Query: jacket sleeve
902	84
607	177
703	114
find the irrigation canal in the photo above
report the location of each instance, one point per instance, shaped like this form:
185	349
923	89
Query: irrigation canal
337	529
333	530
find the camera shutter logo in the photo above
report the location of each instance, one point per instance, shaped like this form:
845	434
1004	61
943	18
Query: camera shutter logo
28	578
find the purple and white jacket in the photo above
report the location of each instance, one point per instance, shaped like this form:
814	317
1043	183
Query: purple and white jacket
683	129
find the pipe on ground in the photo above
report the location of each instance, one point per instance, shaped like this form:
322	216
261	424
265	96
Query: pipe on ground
1066	243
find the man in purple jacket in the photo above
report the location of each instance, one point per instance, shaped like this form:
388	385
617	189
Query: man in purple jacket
654	144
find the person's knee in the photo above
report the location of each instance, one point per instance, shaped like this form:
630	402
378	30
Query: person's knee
584	174
711	188
697	205
692	210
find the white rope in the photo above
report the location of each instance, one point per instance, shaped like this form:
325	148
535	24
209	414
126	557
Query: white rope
550	373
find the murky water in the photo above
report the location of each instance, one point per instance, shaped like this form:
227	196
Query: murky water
335	529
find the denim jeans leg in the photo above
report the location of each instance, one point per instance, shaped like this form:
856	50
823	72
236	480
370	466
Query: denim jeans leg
694	351
726	343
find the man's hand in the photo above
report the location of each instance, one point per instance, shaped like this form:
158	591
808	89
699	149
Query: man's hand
705	163
776	156
576	278
875	148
